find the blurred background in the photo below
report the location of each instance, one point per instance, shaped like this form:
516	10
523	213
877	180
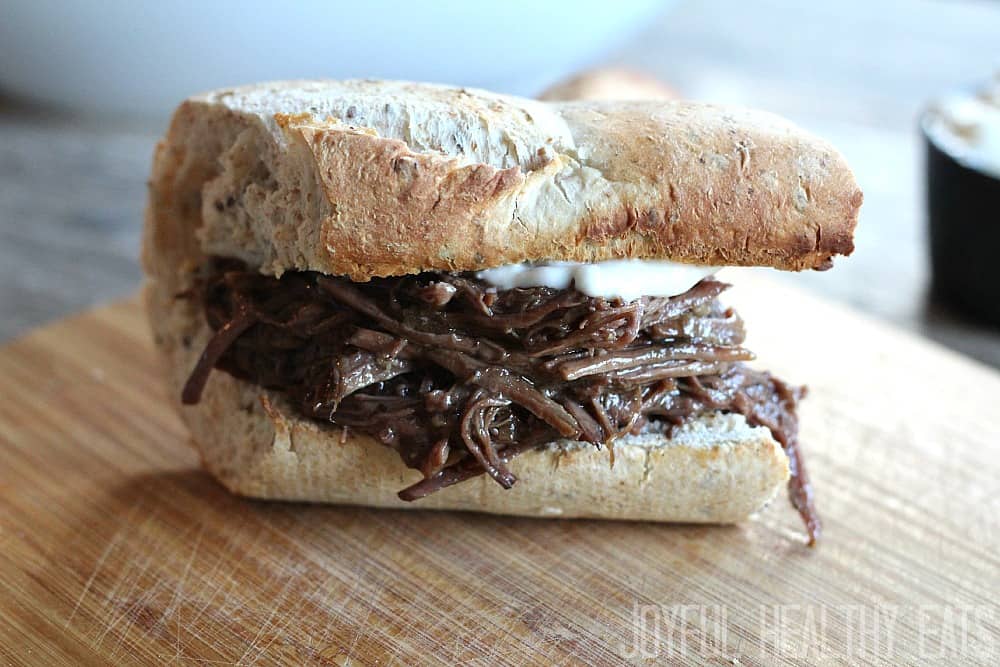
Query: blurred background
86	89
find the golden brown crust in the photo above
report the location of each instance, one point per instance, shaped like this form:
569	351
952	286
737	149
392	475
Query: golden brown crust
379	178
734	191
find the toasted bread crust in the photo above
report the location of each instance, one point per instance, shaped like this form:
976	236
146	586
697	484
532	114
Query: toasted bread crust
365	179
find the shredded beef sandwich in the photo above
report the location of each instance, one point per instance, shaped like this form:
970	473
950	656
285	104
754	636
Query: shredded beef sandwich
399	294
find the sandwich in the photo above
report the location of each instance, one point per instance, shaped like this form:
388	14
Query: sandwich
398	294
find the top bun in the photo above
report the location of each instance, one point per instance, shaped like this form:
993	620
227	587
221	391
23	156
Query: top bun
381	178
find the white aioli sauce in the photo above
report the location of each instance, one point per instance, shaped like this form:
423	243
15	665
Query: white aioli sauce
628	279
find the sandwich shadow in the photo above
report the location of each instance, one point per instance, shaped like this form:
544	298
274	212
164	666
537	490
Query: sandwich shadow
173	554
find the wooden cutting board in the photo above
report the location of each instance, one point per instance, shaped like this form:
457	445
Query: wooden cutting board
115	549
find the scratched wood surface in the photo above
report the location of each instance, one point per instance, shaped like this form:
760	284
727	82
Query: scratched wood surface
115	549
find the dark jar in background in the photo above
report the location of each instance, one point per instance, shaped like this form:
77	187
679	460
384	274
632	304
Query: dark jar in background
962	139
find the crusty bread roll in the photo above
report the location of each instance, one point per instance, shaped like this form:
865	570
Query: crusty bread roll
366	178
609	83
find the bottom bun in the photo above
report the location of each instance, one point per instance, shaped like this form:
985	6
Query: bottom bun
714	469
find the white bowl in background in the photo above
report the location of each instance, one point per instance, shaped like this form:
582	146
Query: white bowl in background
142	57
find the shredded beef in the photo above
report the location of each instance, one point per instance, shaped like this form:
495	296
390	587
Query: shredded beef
460	378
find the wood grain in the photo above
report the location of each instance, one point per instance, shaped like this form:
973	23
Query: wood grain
115	549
